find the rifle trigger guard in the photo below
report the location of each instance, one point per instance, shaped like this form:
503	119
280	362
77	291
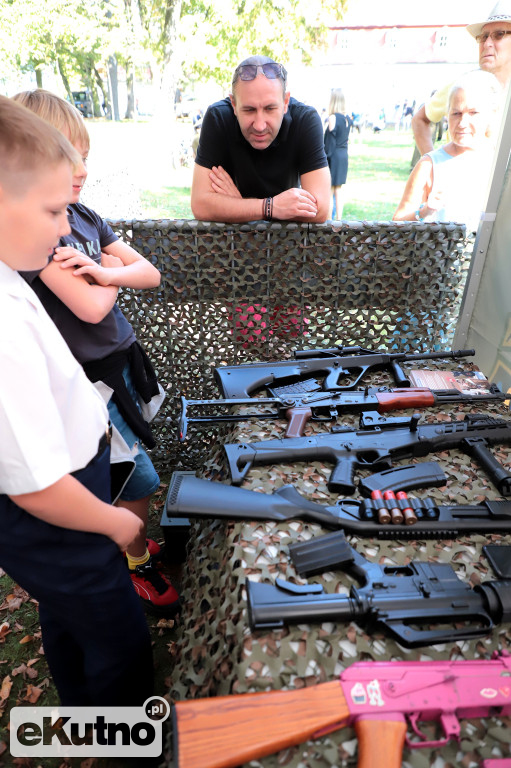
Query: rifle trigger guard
299	589
450	726
345	504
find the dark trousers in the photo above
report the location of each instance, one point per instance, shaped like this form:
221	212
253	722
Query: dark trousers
94	631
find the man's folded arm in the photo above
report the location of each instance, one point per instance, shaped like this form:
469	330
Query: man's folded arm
208	205
306	203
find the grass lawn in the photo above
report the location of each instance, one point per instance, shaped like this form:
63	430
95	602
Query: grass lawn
379	165
166	203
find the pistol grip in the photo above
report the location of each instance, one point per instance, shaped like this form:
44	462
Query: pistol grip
380	741
341	479
354	376
297	419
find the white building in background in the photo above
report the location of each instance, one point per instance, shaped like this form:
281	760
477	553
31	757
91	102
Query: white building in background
385	51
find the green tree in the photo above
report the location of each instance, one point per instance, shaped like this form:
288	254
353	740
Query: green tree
197	38
8	41
180	39
226	31
72	38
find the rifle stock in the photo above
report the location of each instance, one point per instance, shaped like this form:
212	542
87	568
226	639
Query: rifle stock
190	496
228	731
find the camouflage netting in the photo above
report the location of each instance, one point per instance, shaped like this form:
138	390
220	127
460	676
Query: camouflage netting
237	293
229	295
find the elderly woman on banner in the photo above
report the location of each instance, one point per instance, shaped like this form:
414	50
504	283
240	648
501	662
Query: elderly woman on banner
451	183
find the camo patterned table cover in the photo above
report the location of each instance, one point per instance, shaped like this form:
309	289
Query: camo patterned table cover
216	654
236	293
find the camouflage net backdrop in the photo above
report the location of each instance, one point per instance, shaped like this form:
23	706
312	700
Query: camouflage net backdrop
238	293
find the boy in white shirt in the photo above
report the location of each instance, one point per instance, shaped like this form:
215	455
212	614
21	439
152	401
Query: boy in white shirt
60	538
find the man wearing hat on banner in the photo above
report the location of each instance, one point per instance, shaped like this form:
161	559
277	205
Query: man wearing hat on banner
493	36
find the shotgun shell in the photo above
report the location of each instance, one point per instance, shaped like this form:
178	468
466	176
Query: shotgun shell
383	512
408	513
395	513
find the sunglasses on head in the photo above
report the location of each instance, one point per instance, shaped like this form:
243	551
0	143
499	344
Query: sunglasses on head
249	71
498	34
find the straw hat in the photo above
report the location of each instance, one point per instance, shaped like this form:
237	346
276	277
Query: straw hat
501	12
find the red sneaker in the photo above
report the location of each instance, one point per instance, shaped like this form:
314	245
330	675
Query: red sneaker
154	589
153	547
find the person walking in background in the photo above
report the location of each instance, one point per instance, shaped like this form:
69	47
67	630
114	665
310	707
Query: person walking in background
336	147
450	183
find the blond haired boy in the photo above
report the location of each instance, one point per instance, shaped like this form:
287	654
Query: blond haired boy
54	452
78	288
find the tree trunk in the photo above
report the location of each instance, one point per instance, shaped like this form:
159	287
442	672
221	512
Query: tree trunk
130	85
114	88
91	85
39	78
65	80
107	110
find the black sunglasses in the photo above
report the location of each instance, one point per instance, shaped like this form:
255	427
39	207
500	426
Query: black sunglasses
270	70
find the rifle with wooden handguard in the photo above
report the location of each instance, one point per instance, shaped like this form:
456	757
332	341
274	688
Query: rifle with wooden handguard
380	699
298	407
190	496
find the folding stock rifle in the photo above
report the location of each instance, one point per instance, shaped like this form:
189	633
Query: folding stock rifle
298	408
376	448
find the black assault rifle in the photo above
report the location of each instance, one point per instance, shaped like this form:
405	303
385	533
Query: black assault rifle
350	364
190	496
376	448
402	601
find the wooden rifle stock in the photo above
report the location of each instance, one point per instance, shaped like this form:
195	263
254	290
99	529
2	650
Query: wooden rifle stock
227	731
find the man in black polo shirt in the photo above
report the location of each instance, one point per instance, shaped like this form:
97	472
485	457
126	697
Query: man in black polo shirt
261	153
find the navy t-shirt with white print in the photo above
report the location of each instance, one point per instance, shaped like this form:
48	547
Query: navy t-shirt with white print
87	341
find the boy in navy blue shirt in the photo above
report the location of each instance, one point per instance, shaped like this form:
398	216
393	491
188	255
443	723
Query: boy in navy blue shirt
60	538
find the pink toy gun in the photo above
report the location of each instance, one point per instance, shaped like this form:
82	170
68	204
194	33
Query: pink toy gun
497	762
380	699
